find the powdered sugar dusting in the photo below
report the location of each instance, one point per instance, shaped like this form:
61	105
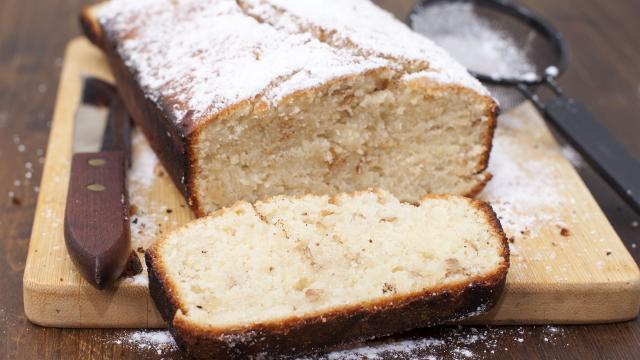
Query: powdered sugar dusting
573	156
382	349
517	196
142	172
144	169
373	31
160	342
148	217
197	57
141	279
457	27
449	343
525	191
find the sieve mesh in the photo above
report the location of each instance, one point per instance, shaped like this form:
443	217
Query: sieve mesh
491	42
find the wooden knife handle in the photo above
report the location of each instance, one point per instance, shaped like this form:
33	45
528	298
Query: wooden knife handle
96	222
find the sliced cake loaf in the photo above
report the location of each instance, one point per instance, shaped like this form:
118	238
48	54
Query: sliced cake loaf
244	100
295	275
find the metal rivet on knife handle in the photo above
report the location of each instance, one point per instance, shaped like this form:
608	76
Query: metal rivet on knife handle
97	162
96	187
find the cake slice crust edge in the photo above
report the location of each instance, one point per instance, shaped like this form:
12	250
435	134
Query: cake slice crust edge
318	332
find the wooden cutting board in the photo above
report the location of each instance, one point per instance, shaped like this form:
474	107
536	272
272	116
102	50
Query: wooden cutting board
568	265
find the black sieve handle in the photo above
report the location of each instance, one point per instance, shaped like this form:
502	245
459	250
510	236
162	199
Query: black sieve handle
617	166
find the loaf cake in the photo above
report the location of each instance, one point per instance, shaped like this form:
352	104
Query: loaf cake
247	99
293	275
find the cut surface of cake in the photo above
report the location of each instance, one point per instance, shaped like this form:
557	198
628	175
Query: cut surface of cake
295	275
243	100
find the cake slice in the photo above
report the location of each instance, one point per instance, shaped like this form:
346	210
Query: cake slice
245	100
294	275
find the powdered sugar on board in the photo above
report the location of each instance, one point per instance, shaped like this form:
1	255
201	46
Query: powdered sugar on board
149	218
573	156
143	170
534	195
526	192
145	215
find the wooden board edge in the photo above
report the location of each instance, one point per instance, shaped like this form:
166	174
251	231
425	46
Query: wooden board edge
585	306
576	304
69	306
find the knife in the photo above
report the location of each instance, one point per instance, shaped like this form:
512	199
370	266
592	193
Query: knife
96	221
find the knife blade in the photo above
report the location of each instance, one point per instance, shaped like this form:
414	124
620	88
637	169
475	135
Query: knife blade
96	225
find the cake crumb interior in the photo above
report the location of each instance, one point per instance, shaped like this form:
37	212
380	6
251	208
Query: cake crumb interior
295	257
376	130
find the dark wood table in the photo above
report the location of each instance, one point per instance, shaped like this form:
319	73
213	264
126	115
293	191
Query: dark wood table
604	40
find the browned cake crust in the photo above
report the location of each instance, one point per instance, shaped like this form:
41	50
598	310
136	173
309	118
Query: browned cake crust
296	336
169	141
